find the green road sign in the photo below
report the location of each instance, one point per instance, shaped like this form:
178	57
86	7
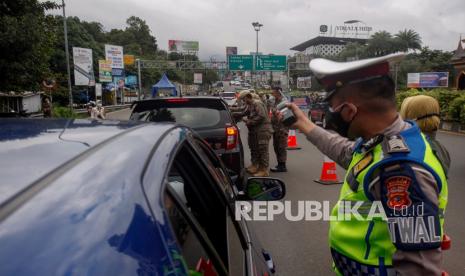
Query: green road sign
271	63
240	62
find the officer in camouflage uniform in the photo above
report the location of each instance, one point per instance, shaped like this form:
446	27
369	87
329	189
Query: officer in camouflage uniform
280	133
259	122
238	113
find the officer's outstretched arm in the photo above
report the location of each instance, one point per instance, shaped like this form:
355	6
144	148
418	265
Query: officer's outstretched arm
409	195
331	144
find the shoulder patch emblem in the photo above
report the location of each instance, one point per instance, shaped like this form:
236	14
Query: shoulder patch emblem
398	196
362	164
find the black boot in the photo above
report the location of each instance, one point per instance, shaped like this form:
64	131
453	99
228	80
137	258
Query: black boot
280	168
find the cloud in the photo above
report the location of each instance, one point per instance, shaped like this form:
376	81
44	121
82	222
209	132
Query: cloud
220	23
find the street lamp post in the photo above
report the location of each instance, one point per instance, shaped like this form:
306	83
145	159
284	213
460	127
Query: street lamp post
256	26
70	91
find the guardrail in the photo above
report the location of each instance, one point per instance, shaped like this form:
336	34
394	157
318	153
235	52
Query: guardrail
108	108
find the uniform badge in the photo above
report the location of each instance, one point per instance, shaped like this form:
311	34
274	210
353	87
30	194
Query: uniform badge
397	192
397	144
362	164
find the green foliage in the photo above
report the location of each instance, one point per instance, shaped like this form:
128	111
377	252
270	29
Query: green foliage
456	109
63	112
400	97
26	43
407	40
452	103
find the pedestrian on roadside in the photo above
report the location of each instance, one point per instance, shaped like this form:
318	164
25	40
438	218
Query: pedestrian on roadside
280	132
391	163
46	107
259	122
425	111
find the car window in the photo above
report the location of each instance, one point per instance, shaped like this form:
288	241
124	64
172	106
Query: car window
228	94
193	186
194	117
192	249
237	255
194	113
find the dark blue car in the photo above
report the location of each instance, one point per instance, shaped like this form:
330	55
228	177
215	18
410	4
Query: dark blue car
80	197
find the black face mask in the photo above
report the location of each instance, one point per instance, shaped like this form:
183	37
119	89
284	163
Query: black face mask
334	121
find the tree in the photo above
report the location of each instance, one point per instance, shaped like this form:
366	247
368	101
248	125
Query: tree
141	33
381	43
26	43
408	40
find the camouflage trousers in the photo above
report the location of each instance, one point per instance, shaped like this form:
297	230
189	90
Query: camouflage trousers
253	146
280	143
261	155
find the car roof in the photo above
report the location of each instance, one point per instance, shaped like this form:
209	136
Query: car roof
31	148
89	215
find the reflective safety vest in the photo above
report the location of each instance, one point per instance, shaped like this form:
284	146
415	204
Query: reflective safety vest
366	247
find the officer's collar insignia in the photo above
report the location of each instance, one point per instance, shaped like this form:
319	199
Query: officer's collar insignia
370	144
362	164
396	144
398	196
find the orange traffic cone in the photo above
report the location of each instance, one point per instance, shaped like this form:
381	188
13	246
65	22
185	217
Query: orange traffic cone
292	140
328	173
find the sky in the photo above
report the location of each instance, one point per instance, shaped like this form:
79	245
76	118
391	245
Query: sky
220	23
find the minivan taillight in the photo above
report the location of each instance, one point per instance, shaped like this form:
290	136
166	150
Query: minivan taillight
231	137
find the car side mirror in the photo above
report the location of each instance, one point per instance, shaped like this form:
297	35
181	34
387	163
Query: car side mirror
264	188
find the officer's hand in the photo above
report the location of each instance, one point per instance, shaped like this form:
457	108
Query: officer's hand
303	123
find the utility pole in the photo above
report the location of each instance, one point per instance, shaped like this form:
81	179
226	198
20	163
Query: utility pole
256	26
65	27
139	79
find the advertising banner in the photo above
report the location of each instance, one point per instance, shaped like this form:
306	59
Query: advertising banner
114	54
428	79
198	78
301	102
98	90
104	70
231	51
131	80
183	46
304	82
82	59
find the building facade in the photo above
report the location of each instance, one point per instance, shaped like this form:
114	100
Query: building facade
322	46
458	61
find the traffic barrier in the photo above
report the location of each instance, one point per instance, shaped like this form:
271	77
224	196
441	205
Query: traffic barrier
328	172
292	140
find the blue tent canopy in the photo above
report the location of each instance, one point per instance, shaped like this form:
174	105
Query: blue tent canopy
164	84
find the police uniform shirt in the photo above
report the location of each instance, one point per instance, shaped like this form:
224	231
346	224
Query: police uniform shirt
340	149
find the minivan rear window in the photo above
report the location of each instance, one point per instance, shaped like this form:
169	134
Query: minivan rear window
196	115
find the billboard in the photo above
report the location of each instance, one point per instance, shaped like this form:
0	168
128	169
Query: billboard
304	82
183	46
428	79
198	78
83	72
231	51
104	70
114	54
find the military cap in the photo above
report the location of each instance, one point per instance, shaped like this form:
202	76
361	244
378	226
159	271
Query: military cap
243	93
333	75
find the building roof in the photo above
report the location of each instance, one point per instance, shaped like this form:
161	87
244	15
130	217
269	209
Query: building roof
460	52
326	40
